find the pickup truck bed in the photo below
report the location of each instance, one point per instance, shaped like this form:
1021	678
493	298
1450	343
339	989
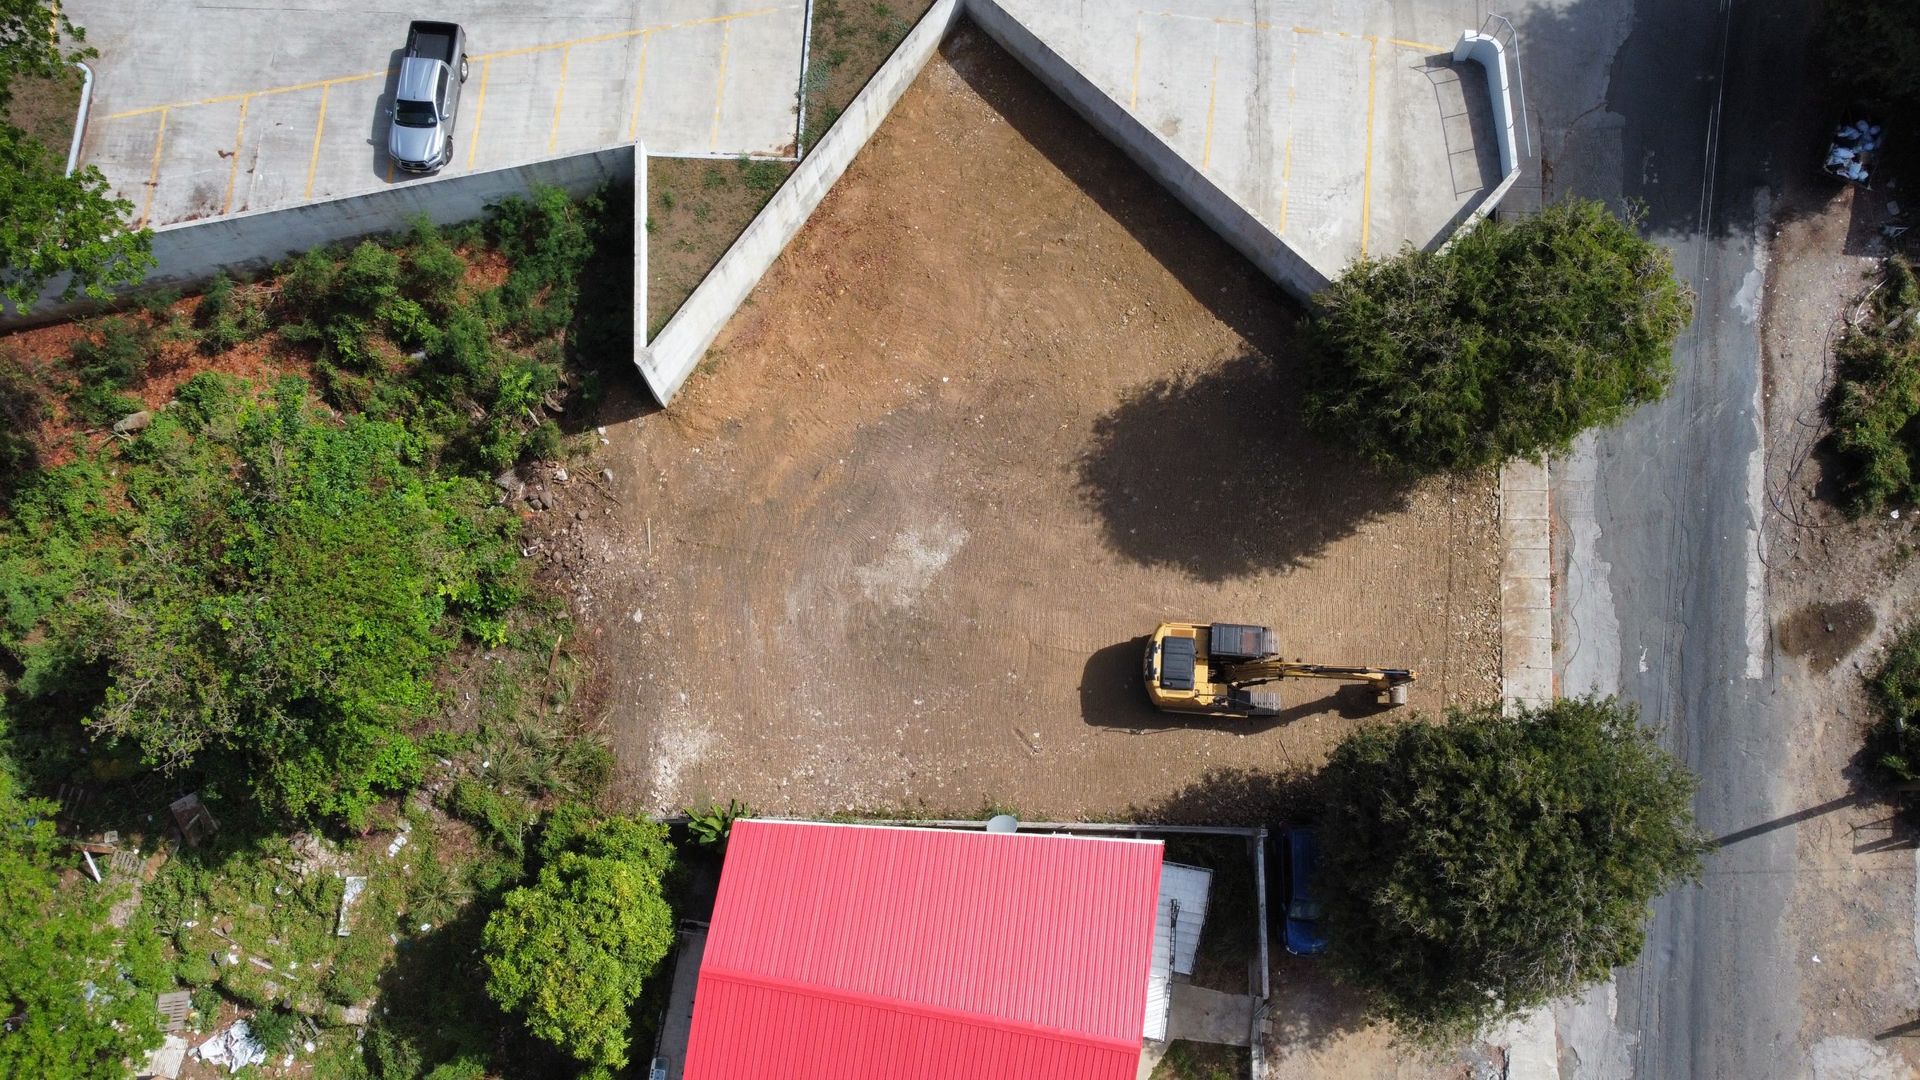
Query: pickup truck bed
432	41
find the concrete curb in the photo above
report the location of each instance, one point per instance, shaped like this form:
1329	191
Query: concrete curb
1526	586
1485	50
80	118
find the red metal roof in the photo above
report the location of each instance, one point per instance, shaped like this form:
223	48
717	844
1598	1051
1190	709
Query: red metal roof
842	952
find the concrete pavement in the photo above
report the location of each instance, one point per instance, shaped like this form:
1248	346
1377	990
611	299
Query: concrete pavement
1345	127
201	110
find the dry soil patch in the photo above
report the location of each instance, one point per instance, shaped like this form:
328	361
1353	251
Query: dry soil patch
999	409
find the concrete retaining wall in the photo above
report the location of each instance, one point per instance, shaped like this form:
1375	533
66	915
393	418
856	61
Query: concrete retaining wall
1492	58
1220	212
191	252
667	360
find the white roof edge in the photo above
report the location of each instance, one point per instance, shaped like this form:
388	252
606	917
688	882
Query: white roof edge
944	829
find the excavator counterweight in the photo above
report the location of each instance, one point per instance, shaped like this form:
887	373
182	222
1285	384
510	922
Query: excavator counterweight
1232	669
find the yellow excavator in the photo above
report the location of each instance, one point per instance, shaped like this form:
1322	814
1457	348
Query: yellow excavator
1215	668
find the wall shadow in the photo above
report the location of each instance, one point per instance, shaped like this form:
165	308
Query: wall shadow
1213	475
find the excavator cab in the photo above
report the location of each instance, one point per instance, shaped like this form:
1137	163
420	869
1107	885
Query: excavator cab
1229	669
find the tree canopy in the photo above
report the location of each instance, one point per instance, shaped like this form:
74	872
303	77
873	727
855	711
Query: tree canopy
1486	864
1511	342
570	953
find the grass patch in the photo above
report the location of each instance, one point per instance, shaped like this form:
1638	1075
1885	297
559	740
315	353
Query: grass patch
1874	408
1227	942
1203	1061
698	207
850	40
45	108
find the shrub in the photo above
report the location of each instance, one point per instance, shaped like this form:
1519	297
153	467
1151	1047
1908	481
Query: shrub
225	321
1876	399
503	818
292	619
196	969
1892	746
433	270
273	1029
1509	343
571	952
114	352
1482	866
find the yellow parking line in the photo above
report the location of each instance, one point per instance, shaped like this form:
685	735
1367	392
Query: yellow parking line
389	170
153	177
479	112
1286	182
720	86
1223	20
559	96
288	89
233	163
1366	183
639	83
1213	94
1139	32
320	125
616	35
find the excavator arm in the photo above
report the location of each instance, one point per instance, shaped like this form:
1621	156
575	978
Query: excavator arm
1215	668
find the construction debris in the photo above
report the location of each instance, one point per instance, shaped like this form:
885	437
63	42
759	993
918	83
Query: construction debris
355	886
193	819
233	1046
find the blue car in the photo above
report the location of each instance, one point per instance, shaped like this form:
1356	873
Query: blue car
1304	935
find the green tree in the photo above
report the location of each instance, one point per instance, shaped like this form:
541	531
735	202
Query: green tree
52	223
1484	865
1511	342
77	1005
571	952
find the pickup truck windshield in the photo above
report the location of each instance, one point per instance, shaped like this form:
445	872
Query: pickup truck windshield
413	113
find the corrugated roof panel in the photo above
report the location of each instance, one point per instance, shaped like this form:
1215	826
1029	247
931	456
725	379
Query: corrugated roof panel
1176	941
861	953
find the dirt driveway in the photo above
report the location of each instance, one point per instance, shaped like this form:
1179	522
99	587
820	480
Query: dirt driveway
1000	408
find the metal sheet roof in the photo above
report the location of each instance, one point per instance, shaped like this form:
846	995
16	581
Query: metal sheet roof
1178	921
844	952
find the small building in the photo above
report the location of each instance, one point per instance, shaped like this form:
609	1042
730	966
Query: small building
857	952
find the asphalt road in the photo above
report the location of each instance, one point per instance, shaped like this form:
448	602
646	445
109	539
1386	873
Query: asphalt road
1663	597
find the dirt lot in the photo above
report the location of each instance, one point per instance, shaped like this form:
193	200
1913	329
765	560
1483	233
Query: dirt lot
1000	408
1839	590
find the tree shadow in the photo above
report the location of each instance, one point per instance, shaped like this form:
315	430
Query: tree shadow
1212	474
1668	132
1113	694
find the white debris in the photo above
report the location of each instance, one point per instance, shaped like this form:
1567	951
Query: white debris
355	886
399	842
233	1047
165	1060
638	615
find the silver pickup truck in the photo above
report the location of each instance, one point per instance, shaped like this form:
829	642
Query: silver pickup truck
427	97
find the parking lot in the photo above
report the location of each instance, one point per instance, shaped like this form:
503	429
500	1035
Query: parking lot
1342	124
201	110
